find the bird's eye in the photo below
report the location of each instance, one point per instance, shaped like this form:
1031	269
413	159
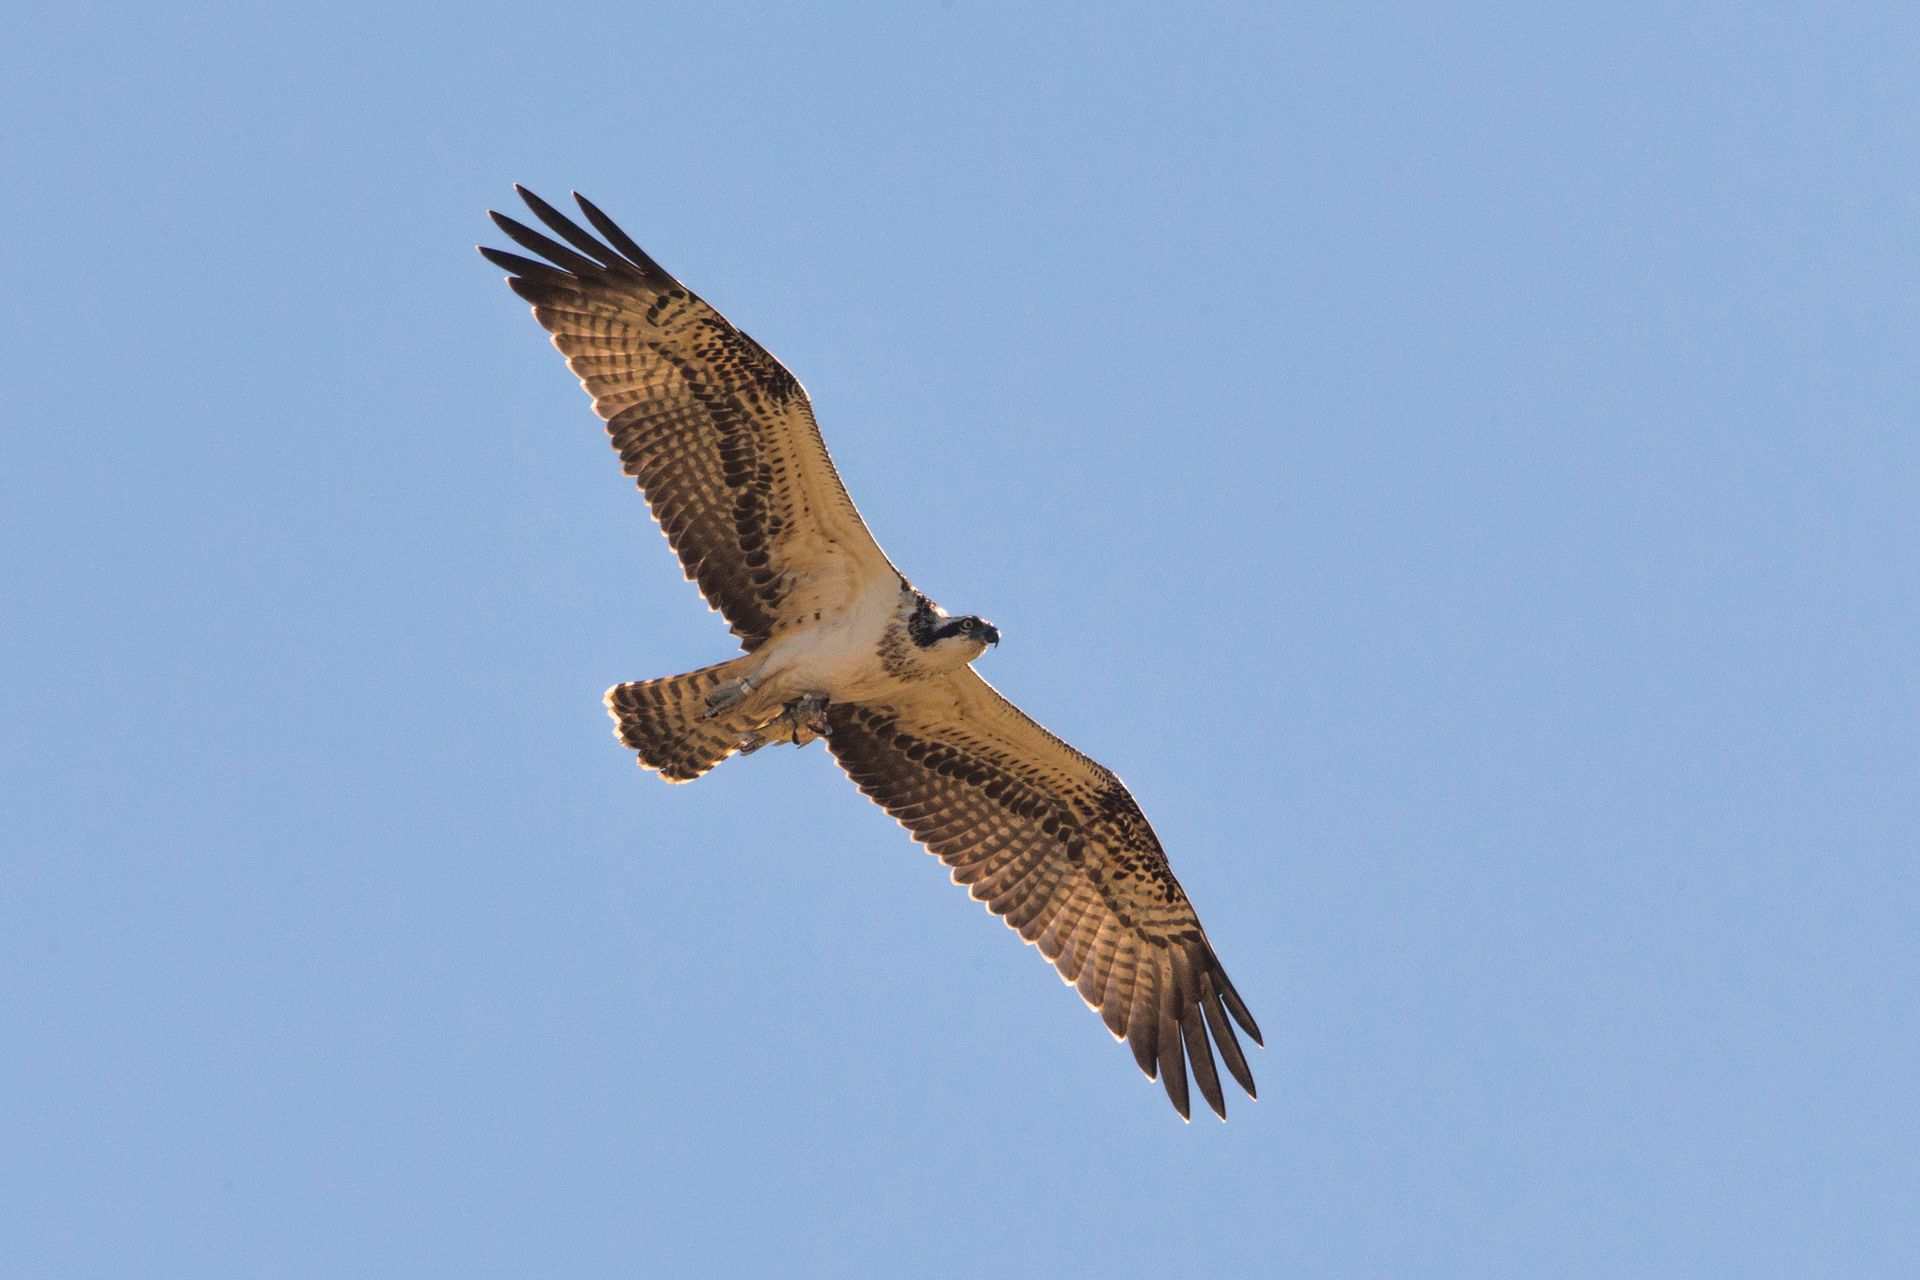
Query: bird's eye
966	624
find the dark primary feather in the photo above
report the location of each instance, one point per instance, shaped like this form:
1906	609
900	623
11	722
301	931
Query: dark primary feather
1055	844
551	249
579	239
719	436
605	226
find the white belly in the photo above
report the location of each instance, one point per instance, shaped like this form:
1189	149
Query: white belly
837	656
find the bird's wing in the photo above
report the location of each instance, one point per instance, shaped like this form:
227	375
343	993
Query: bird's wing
1054	843
719	436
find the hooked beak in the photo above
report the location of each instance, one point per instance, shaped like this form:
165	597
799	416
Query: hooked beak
990	633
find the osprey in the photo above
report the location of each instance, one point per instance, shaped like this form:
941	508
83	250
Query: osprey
839	645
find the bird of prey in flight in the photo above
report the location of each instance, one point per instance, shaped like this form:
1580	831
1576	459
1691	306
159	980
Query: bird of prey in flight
840	646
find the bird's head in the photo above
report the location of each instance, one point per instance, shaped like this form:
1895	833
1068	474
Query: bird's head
960	640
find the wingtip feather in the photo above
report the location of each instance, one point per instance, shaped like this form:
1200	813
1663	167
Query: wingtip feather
1193	1031
619	239
570	231
1223	1038
547	247
1173	1065
1238	1009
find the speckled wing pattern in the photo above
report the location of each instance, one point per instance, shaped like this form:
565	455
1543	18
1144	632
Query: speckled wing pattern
1055	844
719	436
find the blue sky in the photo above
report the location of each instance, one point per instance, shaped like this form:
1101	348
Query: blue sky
1457	466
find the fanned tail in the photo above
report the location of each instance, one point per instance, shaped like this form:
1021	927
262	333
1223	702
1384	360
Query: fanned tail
666	721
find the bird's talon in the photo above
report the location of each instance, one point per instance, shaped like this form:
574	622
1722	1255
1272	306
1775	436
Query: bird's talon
807	715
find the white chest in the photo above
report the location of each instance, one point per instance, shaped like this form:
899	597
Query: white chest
837	655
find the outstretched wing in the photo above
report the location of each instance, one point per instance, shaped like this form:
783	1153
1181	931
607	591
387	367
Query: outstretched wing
1054	843
720	437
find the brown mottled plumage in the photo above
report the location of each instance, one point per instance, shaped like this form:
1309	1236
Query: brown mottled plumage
722	441
718	435
1052	842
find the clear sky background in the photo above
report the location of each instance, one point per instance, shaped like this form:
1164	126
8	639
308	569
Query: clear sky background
1458	465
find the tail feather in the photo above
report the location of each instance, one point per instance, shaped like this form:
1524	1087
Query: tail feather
666	721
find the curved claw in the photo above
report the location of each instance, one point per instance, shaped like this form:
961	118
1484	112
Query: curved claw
800	721
804	718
